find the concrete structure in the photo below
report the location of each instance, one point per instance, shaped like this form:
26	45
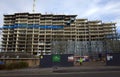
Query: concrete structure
37	33
9	57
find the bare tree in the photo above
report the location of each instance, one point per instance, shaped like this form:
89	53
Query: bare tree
113	45
59	47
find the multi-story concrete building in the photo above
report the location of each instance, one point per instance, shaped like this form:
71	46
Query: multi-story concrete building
37	33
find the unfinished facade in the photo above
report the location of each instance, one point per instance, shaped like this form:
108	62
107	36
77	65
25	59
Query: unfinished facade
41	34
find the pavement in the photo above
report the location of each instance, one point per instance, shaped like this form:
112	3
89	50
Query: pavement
85	67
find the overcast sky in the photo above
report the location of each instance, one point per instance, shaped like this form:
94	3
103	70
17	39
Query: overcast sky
105	10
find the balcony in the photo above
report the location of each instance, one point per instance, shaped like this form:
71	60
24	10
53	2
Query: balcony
41	43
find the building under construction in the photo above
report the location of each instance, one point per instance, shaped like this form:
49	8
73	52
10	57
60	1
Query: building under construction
41	34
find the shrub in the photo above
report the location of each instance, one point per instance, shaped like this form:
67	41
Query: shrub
10	66
22	65
2	66
16	65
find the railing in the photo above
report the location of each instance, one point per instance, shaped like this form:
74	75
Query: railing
34	26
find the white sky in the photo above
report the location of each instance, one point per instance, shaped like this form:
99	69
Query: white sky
105	10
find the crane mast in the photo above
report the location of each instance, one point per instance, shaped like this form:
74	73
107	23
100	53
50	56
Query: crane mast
33	6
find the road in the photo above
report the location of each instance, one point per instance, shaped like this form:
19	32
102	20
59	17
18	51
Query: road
75	74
